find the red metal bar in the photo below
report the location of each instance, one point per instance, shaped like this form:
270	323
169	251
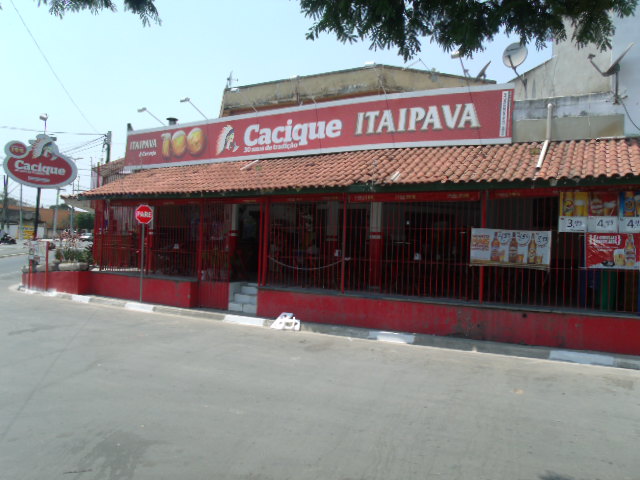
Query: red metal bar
264	208
200	244
344	242
46	267
483	224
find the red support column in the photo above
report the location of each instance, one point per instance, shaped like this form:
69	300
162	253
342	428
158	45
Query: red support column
200	243
375	246
344	241
483	224
264	253
232	241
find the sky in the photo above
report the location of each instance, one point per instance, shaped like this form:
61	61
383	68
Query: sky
91	73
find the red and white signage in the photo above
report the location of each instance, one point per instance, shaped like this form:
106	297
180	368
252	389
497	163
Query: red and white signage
144	214
40	165
612	250
455	116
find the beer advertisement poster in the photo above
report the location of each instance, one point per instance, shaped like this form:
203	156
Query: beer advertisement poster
510	248
589	212
629	212
612	251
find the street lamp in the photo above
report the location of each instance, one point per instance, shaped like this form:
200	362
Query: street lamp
187	99
44	117
144	109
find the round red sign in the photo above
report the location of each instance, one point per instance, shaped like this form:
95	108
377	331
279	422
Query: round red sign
144	214
43	167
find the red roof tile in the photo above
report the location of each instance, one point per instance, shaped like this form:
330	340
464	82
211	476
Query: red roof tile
458	164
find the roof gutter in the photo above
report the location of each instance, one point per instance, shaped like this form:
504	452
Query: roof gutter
545	147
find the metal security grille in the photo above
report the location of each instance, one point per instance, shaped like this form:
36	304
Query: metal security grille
173	240
567	283
216	222
426	249
117	243
304	244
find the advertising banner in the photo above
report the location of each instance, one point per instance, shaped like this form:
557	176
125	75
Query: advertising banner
588	212
612	251
629	211
455	116
510	248
39	165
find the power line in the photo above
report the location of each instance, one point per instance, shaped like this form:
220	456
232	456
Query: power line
7	127
52	70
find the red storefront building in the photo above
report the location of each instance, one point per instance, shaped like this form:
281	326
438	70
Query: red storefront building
410	211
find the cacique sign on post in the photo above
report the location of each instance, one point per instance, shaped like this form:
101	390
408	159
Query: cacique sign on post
40	165
453	116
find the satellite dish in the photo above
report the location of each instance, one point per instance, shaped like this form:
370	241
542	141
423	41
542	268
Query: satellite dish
614	67
483	72
514	55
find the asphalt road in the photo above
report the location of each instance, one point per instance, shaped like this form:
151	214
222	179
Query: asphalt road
93	392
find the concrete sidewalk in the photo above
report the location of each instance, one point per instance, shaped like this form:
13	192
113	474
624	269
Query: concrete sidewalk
452	343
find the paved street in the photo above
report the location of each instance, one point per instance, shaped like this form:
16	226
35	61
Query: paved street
93	392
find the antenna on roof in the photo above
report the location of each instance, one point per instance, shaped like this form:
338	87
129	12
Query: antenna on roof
614	68
514	56
483	73
230	79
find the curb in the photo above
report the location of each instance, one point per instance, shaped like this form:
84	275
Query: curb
630	362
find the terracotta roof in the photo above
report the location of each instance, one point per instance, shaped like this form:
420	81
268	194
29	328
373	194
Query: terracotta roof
461	164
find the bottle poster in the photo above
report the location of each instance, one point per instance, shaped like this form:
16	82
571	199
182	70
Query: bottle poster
629	216
510	248
612	251
589	212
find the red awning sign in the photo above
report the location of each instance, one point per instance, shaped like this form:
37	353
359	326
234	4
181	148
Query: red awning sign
144	214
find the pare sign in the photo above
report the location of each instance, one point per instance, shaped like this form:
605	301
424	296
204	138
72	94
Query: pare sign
39	165
144	214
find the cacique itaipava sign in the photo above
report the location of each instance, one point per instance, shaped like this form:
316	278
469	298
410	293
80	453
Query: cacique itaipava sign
39	165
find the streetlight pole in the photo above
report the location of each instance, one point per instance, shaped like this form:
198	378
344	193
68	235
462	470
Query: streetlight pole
187	99
144	109
44	117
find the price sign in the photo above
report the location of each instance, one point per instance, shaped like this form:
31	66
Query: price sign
572	224
629	224
602	224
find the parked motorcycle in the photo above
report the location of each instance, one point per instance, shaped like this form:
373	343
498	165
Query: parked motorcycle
7	240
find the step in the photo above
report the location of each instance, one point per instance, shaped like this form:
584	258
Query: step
248	308
242	298
249	290
235	307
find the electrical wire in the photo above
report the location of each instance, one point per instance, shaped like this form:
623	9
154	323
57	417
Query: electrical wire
7	127
628	115
95	141
52	70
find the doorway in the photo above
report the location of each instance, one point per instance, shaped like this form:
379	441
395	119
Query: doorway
244	264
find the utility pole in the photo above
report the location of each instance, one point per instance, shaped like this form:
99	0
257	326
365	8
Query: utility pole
107	142
55	214
20	230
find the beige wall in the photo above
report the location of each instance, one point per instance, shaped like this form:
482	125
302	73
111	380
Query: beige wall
374	80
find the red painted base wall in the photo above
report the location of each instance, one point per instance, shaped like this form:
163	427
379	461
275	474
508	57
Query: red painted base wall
176	293
77	283
575	331
154	290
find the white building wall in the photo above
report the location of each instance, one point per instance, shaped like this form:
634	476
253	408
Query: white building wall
628	31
